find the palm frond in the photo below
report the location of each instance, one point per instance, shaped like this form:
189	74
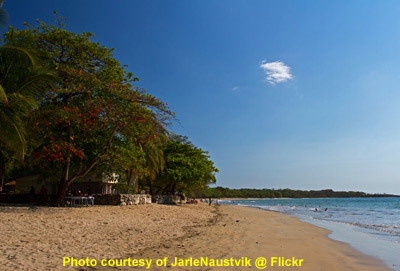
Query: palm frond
13	132
23	80
3	96
20	53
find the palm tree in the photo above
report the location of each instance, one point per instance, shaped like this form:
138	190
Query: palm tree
155	162
22	80
154	165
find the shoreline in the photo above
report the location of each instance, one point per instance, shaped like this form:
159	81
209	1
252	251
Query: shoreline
241	231
383	245
157	231
384	250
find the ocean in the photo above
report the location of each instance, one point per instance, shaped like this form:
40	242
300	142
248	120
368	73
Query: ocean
370	225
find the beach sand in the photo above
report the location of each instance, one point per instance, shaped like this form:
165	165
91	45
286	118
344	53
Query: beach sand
37	238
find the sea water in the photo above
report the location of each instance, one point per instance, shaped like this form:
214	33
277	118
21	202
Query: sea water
371	225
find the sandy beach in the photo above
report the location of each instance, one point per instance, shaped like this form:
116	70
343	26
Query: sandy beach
40	238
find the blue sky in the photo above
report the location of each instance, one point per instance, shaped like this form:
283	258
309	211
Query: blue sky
283	94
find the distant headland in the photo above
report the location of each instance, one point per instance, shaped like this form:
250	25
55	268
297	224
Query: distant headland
223	192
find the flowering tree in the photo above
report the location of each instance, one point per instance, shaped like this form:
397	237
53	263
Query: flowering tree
95	119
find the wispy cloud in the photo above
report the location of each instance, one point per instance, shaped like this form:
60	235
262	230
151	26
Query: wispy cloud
235	88
277	72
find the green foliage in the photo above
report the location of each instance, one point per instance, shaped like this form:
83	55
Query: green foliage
83	113
23	78
187	167
221	192
94	119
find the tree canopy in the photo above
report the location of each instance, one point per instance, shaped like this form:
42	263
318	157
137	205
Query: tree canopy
94	119
187	167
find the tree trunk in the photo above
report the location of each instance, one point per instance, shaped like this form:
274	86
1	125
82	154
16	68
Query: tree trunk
167	188
2	171
149	182
66	180
132	177
62	190
64	184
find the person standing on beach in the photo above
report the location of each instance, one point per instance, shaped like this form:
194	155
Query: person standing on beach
209	201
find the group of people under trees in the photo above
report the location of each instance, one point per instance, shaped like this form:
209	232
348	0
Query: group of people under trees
43	197
78	193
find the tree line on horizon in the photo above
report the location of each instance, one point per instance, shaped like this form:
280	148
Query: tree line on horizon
68	108
223	192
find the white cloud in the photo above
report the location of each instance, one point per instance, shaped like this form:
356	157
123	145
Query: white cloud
235	88
277	72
